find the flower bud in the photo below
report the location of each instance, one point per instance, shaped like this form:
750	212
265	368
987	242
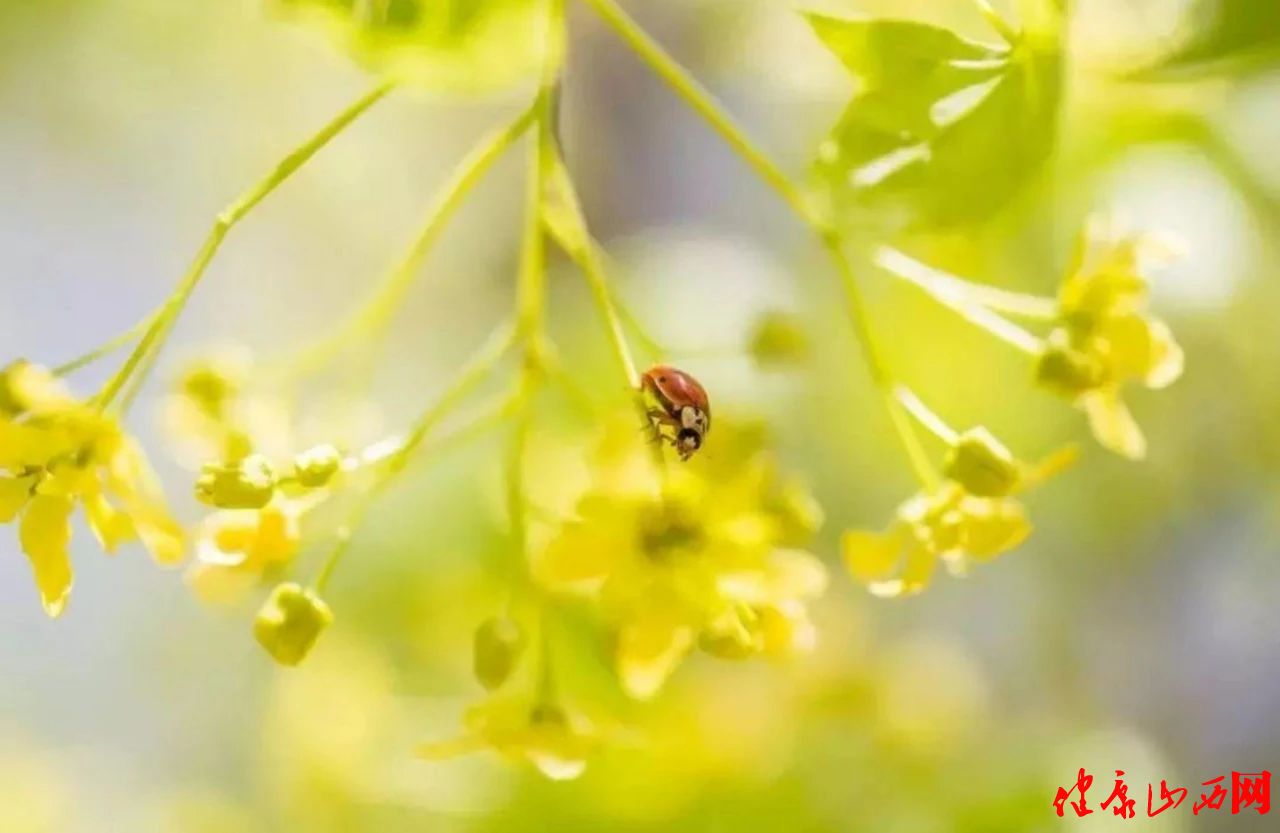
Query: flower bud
290	622
212	385
1067	371
248	484
778	340
315	467
982	465
499	645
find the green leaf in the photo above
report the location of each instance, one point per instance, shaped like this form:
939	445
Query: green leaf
455	45
942	130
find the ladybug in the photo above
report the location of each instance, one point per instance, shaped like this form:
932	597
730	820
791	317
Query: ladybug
682	406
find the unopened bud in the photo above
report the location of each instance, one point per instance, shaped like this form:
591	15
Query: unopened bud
212	384
248	484
982	465
290	622
499	644
315	467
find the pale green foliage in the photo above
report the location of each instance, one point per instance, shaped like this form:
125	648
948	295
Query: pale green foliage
941	130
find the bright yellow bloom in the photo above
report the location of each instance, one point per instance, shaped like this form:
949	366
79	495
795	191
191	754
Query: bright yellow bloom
57	452
1105	338
236	549
972	517
556	742
442	44
950	524
702	554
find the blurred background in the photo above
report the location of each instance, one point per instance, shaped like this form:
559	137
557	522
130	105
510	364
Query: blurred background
1136	630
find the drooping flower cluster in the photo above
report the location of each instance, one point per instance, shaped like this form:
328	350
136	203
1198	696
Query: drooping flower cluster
703	555
57	453
1104	337
973	517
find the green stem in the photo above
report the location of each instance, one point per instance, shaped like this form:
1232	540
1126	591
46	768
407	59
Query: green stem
386	299
702	102
1007	32
132	334
160	328
470	377
924	415
954	297
880	376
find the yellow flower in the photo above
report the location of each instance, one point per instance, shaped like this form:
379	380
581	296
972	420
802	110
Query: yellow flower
556	742
949	524
217	410
442	44
973	516
703	554
57	453
1105	338
237	548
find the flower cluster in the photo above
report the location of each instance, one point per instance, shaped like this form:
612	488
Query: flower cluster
1104	338
973	516
58	452
704	555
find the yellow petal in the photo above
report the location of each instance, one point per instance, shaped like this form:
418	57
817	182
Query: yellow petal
45	535
581	554
216	584
14	494
649	649
1112	424
109	525
784	574
992	527
871	556
23	446
1166	357
786	630
163	538
917	570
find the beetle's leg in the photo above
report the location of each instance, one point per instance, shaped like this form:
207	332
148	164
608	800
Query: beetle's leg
657	419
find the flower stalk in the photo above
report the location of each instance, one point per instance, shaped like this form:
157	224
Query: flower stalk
159	329
686	87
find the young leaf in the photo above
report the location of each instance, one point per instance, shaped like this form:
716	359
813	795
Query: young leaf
942	130
456	45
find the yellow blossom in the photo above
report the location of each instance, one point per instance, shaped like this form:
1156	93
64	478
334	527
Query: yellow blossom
237	548
973	516
949	524
703	554
556	742
1105	339
57	453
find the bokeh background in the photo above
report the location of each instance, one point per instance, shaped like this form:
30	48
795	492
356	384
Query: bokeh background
1136	630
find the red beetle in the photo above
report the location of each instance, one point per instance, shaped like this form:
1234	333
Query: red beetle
682	406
